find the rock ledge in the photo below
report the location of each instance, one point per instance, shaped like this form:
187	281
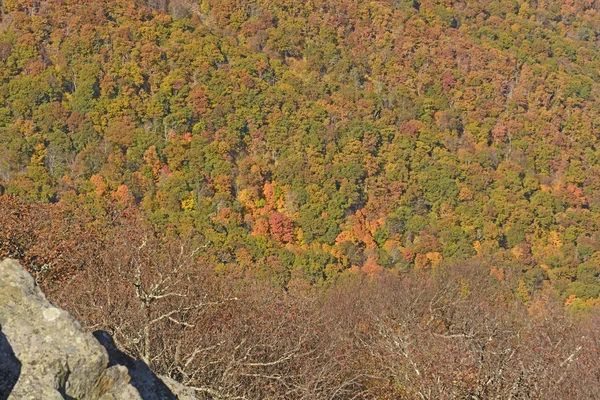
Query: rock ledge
46	354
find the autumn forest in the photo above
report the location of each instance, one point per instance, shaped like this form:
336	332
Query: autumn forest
321	199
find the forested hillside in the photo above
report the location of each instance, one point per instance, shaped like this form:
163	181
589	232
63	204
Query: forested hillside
304	145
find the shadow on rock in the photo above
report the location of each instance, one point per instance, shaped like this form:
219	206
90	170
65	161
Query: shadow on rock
10	367
150	386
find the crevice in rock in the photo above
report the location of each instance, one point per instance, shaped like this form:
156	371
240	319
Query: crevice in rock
63	389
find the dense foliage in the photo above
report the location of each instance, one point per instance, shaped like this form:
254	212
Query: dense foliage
319	136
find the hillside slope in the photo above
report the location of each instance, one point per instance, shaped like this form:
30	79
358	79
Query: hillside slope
300	140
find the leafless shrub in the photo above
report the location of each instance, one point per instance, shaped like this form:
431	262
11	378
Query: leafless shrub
453	333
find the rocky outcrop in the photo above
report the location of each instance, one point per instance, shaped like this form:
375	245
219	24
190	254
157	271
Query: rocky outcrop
46	354
58	359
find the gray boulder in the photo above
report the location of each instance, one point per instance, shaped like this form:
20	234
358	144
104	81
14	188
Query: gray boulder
44	351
